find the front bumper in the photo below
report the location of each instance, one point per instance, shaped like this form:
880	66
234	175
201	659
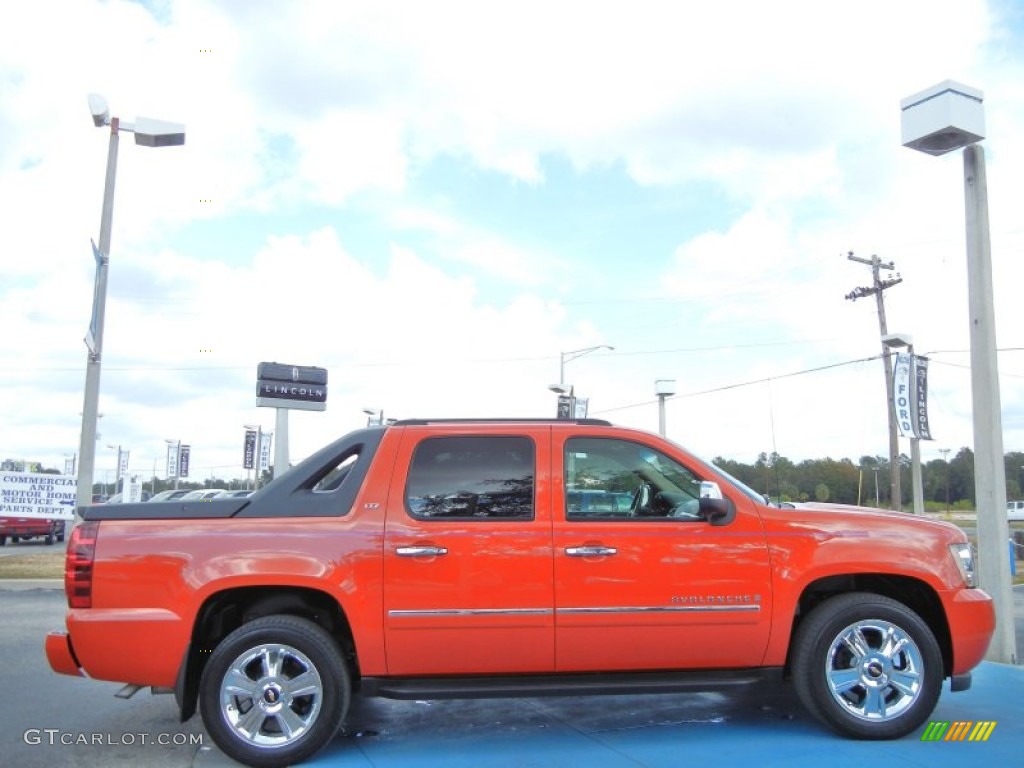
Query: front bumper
61	655
972	621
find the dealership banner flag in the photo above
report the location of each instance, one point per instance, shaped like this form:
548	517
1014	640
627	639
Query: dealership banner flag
122	468
249	452
172	459
265	451
183	459
910	396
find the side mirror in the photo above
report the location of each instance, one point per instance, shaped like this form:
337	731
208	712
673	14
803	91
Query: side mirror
714	507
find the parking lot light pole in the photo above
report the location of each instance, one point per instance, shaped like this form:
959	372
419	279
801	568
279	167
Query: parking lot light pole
943	118
149	133
663	388
566	357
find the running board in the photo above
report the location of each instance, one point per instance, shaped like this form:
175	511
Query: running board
519	686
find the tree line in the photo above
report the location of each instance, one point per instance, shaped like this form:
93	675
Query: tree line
946	484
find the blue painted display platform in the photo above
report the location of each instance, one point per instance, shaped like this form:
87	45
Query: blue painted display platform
665	730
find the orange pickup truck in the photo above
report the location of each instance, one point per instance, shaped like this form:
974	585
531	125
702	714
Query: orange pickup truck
446	558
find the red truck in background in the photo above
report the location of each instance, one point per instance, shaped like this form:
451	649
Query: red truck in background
493	558
19	528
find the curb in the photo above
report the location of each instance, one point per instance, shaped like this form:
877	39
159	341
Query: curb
21	585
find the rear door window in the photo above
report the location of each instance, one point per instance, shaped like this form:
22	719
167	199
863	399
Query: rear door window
472	478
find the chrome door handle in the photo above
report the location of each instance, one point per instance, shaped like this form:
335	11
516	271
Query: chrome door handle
421	551
590	551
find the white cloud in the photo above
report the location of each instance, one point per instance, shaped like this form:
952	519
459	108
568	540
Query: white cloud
786	112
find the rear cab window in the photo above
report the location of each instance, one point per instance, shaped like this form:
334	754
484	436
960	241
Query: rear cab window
472	477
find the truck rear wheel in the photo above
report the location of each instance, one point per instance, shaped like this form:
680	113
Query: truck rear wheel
274	691
867	666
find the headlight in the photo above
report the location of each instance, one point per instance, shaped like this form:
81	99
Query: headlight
965	562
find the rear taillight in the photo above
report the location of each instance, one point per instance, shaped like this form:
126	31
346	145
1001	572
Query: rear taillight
78	564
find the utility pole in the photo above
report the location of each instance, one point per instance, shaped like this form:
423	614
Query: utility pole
877	287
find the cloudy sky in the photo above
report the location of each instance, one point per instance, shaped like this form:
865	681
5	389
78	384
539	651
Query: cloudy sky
434	201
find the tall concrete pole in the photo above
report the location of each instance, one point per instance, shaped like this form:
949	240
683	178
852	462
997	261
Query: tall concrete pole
989	469
90	407
281	443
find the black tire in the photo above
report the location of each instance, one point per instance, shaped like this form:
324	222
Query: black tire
49	538
14	539
267	655
867	666
3	540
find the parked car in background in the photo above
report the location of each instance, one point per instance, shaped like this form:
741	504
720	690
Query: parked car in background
201	494
171	495
235	494
20	528
1015	511
118	498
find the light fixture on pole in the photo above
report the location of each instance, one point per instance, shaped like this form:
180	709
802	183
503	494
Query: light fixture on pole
148	133
567	357
663	388
943	118
374	417
569	406
898	341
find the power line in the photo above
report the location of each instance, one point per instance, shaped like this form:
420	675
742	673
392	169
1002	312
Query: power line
742	384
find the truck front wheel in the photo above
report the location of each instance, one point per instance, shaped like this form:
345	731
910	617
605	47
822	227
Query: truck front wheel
274	691
867	666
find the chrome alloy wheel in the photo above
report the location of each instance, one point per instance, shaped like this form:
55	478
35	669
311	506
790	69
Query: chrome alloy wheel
874	670
271	695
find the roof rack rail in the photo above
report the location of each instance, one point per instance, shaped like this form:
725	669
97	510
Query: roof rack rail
542	420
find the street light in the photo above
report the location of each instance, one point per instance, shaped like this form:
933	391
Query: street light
938	120
945	458
567	357
148	133
897	341
569	407
663	388
375	417
117	474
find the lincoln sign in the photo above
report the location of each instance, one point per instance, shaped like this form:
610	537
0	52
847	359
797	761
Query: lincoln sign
291	386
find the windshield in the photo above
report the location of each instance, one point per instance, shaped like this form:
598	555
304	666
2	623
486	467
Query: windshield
759	498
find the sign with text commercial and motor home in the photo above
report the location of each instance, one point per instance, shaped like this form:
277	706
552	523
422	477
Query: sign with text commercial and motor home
910	395
291	386
36	494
